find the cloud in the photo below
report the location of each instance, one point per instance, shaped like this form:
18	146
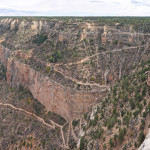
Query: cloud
141	2
95	1
75	7
15	11
137	1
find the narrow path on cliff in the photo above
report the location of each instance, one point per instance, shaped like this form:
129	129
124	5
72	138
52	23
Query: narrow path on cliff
129	33
72	131
111	51
105	87
41	120
80	82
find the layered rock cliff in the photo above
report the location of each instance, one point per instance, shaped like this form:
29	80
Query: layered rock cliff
69	104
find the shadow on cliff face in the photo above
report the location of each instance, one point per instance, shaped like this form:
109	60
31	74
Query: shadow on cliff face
2	72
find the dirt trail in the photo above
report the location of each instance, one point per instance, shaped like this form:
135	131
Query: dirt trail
129	33
104	87
41	120
61	129
68	133
111	51
73	134
79	82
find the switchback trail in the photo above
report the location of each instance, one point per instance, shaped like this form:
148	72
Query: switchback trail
111	51
80	82
40	119
104	87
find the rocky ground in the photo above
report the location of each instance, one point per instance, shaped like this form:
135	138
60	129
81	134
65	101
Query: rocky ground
121	120
25	123
52	71
61	61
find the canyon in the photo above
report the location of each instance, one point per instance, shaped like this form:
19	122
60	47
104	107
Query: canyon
88	75
94	74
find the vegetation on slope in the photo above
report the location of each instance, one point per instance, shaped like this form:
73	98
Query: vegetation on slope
19	129
102	20
121	119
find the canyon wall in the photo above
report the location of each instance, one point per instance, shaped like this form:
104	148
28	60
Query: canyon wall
67	103
69	66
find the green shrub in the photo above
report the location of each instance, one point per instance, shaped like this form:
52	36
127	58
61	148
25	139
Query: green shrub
111	143
144	114
143	77
43	143
39	39
21	88
94	122
136	113
37	108
144	90
141	138
138	97
2	72
56	56
111	121
104	146
126	120
148	90
75	122
98	133
115	42
122	133
142	124
132	104
114	91
48	68
125	98
115	137
82	143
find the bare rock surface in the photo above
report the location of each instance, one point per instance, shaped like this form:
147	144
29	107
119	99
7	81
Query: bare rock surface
146	144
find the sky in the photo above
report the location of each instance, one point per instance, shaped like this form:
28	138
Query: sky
74	7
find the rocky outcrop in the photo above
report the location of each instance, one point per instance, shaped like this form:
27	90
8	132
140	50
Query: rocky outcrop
146	144
86	56
66	102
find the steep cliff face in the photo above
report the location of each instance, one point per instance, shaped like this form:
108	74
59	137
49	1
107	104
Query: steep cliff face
121	120
146	144
69	104
68	66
